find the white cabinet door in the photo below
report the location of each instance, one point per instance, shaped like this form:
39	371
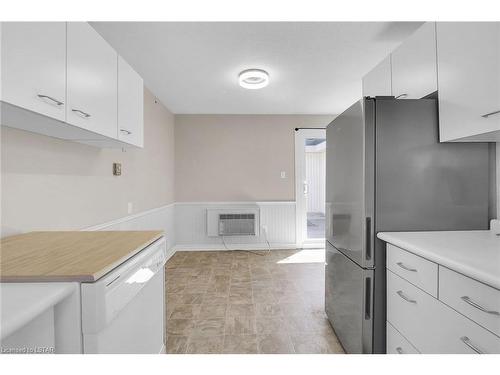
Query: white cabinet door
378	81
34	66
414	67
130	105
92	81
468	55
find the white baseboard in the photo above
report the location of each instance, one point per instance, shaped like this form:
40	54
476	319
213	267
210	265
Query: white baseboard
246	246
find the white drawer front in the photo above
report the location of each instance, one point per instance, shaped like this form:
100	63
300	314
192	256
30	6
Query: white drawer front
430	325
397	344
417	270
479	302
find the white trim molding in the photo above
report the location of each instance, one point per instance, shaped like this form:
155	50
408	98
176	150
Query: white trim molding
184	224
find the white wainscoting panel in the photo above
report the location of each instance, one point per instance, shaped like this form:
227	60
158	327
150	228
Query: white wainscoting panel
191	226
161	218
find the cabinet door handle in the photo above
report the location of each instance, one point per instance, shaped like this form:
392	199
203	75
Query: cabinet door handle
467	299
401	294
491	114
401	96
400	264
81	113
127	132
51	99
399	350
469	343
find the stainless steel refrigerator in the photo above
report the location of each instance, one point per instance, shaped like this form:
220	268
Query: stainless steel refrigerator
387	171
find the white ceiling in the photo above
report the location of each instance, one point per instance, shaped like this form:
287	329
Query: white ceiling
315	68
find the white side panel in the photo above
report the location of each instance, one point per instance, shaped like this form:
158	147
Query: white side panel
191	225
36	337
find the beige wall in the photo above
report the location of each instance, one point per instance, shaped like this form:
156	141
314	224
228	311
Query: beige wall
54	184
237	157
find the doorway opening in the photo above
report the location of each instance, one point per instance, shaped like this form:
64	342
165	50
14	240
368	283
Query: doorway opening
310	160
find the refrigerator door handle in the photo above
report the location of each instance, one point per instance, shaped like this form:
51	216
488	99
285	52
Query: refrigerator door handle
368	298
368	238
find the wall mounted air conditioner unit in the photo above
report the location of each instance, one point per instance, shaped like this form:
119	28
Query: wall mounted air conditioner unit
233	222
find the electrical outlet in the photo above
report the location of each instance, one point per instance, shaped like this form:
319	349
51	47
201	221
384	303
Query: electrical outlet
264	228
130	207
117	169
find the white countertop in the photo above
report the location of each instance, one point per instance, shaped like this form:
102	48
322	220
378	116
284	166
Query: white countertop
472	253
20	303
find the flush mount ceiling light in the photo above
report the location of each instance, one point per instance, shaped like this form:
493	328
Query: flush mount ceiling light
253	79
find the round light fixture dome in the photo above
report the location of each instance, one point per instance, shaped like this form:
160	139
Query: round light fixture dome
253	79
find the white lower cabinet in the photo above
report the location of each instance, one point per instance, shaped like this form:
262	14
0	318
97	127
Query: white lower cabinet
397	343
430	325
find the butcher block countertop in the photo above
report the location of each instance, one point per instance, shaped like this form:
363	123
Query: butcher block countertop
69	256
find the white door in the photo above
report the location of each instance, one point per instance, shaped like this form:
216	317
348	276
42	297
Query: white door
468	56
34	66
310	187
414	67
92	67
130	104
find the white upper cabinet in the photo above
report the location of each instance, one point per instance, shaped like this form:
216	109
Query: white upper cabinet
468	57
414	70
91	81
378	81
130	105
34	66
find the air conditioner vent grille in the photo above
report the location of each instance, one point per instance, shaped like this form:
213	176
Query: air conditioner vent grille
237	224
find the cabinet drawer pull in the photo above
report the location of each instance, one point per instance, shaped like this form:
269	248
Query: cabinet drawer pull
81	113
51	99
469	343
467	299
401	96
400	264
399	350
491	114
127	132
401	294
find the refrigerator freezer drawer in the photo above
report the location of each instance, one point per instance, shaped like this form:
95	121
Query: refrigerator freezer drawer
417	270
430	325
397	343
349	301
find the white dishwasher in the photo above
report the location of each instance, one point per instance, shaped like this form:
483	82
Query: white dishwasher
123	312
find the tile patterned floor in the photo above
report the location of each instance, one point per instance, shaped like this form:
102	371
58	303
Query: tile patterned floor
244	302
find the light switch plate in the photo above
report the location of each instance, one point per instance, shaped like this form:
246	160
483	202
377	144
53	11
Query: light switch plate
283	174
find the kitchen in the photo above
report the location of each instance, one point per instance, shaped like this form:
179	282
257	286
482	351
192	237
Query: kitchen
153	204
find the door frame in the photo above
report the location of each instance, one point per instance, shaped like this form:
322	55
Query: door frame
301	239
